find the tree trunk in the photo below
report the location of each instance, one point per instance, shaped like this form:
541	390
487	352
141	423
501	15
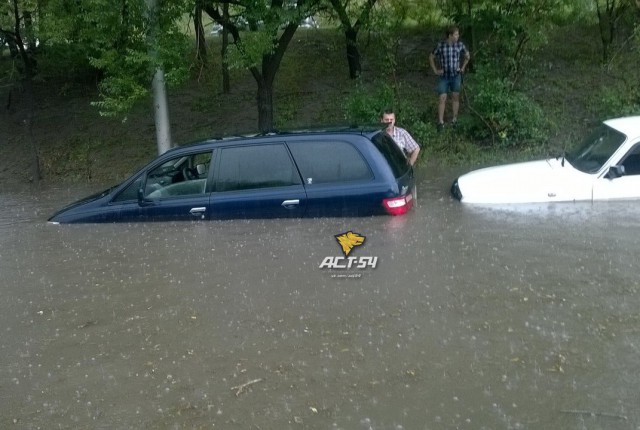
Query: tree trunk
35	150
604	25
353	53
29	70
13	48
201	46
226	85
265	75
351	32
470	35
608	16
265	106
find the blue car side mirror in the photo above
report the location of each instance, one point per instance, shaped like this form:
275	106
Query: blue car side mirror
142	201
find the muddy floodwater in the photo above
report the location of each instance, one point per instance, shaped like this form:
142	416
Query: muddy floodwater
472	318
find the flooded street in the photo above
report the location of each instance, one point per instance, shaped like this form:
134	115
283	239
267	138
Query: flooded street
473	318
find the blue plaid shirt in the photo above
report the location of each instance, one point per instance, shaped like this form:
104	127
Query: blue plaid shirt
448	55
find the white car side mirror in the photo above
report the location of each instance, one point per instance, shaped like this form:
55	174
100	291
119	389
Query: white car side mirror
615	172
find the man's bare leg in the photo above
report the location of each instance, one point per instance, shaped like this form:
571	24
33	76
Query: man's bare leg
455	105
442	103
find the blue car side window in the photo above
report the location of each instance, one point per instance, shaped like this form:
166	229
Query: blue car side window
185	175
255	166
322	162
130	193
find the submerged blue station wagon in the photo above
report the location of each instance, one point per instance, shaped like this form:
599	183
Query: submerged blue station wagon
351	172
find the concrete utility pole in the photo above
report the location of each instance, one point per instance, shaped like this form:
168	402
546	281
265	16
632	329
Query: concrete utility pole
161	111
160	105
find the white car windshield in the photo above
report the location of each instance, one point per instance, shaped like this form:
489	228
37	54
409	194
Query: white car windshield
596	149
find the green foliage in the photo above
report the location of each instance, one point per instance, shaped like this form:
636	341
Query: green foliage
365	104
508	32
72	160
617	100
621	95
424	12
575	12
18	25
387	20
259	24
250	52
64	61
120	39
119	94
287	110
8	15
502	114
409	12
109	38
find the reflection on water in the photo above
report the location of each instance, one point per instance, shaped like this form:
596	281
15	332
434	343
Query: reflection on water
571	212
475	317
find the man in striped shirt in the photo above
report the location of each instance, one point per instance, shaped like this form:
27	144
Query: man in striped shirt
452	58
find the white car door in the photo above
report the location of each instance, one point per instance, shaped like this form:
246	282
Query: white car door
625	187
622	188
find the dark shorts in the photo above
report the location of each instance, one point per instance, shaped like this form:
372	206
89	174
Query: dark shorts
448	84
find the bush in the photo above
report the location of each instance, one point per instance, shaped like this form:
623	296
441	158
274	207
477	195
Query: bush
66	61
366	102
502	114
617	100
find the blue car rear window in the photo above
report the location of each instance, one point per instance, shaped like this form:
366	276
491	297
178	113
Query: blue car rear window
392	153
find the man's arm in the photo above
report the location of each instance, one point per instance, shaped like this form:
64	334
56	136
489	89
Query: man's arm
414	156
411	145
432	62
467	57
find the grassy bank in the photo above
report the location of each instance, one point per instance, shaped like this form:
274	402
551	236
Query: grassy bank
312	89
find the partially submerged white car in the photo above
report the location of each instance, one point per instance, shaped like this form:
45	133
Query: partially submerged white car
605	167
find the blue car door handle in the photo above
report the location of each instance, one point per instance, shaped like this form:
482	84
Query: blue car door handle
198	211
290	204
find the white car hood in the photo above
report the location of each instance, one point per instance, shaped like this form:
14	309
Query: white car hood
551	180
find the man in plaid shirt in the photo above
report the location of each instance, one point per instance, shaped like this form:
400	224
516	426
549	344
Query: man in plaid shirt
403	139
449	53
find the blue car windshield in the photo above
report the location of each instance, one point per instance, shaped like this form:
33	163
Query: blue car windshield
596	149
